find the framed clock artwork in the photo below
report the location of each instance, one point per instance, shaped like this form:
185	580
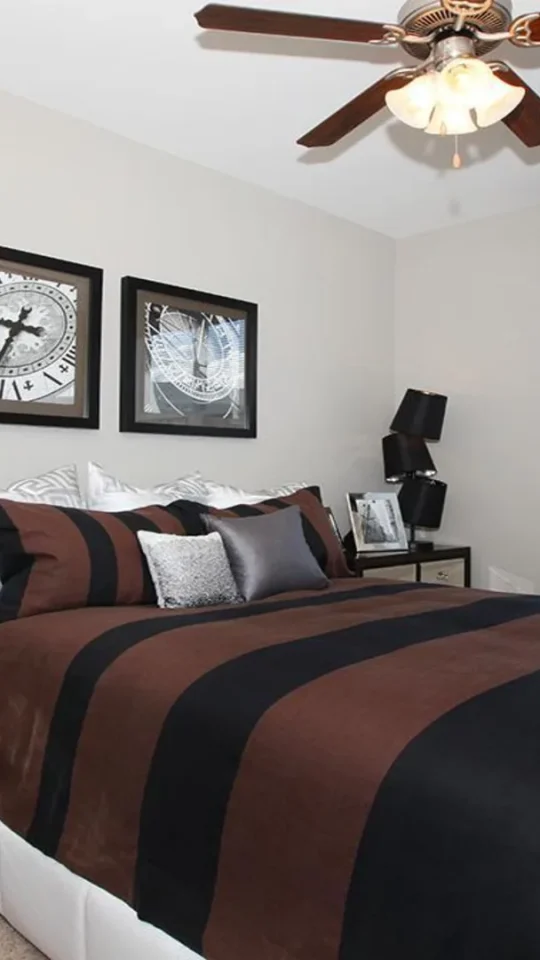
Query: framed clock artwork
50	340
189	362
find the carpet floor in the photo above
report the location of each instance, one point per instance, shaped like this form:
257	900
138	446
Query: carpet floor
13	947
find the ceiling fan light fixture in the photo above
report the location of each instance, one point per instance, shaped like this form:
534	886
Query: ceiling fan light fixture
414	103
503	100
451	120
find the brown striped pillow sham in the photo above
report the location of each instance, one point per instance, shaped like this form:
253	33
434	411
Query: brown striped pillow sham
54	558
318	531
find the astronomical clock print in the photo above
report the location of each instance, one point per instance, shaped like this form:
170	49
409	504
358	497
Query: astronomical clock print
50	320
188	361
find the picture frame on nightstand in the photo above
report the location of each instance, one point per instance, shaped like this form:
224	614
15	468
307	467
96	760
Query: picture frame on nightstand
376	522
335	528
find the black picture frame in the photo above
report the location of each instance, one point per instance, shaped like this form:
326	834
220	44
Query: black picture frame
144	305
82	315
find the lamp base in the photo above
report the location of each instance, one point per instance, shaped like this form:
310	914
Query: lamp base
417	546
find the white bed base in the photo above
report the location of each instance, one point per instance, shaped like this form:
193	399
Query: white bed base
68	918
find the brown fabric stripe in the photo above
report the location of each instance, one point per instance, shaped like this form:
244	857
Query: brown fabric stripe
65	568
34	656
97	843
165	521
354	722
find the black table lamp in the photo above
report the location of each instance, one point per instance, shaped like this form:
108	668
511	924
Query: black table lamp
407	460
406	456
421	502
420	414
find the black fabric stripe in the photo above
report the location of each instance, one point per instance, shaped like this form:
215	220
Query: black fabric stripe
449	864
15	567
103	586
95	658
184	508
191	515
135	522
203	738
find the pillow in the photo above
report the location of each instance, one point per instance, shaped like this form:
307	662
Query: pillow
106	492
189	571
57	558
119	502
59	487
221	495
317	528
269	554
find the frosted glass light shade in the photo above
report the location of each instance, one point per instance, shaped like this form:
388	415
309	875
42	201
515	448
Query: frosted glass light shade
504	98
451	120
440	102
414	103
465	82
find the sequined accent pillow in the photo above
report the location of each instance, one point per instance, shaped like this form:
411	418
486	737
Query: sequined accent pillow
189	571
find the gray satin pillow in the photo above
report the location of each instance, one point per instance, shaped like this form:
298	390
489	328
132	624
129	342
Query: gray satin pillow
269	554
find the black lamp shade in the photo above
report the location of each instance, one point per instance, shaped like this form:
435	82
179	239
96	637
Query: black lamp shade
420	414
404	455
422	502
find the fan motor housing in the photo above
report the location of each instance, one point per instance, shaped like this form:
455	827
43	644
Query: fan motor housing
424	19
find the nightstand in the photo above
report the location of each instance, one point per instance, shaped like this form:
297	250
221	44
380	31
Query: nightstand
445	565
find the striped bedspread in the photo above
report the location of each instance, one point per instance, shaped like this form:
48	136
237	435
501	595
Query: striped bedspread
352	775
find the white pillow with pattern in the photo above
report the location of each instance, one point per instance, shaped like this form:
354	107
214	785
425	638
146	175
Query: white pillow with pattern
106	492
58	488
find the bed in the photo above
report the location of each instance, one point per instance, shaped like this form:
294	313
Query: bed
353	773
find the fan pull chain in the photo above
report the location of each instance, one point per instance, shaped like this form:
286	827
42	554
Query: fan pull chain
456	159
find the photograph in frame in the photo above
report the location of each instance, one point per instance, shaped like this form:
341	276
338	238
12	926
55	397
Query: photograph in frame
376	522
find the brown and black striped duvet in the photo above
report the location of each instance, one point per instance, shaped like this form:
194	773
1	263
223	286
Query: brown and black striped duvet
352	775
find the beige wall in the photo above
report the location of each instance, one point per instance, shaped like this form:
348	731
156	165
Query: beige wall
324	286
468	325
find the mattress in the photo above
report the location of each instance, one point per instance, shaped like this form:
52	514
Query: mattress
322	775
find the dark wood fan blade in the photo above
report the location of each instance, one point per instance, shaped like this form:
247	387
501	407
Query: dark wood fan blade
354	113
524	121
218	16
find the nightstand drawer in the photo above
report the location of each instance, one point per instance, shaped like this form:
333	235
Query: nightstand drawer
450	572
394	573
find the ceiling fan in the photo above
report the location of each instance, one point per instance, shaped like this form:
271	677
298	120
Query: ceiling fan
439	96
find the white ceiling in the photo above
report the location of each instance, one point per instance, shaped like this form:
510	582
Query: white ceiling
238	104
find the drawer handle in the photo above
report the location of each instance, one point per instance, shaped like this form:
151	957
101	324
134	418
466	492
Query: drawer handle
442	575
